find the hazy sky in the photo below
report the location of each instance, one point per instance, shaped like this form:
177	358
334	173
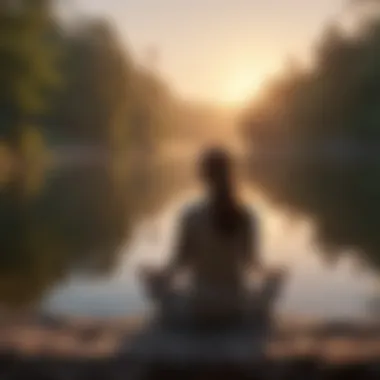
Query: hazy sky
217	49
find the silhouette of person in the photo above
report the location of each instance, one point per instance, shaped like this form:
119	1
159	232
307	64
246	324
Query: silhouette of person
217	245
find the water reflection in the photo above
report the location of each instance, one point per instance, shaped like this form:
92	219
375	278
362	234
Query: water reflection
313	290
77	244
73	216
74	225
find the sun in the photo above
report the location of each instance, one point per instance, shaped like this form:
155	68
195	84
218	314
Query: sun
242	88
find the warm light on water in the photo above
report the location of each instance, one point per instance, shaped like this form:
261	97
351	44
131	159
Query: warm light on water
312	290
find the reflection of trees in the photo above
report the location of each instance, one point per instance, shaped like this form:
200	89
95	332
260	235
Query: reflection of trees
74	222
32	253
316	136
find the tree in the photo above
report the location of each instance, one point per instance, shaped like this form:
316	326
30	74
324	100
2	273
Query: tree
28	71
317	134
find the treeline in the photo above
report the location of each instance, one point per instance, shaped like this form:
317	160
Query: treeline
80	121
315	135
75	84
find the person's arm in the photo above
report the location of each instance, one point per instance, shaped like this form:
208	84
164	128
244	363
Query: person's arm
251	252
159	281
182	249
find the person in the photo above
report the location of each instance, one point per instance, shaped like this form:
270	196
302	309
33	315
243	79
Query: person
218	245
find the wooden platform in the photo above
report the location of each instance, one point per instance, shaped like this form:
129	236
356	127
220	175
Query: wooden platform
87	338
236	346
100	350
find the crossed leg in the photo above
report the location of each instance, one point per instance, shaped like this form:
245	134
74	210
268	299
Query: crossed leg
178	307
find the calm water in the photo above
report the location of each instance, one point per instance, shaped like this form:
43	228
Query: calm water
313	288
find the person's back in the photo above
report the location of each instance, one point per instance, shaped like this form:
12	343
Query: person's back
216	259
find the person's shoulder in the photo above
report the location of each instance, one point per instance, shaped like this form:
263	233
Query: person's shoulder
249	214
192	212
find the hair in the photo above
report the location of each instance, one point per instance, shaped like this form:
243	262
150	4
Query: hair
216	169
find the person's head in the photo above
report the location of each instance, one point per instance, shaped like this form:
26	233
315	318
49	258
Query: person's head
216	170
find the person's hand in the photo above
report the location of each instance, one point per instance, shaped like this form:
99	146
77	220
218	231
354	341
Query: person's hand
155	281
276	274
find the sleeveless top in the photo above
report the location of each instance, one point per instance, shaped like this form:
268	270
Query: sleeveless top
215	260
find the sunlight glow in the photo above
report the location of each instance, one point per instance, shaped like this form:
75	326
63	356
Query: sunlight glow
242	88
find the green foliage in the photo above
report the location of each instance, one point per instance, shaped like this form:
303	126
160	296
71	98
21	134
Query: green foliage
92	105
28	72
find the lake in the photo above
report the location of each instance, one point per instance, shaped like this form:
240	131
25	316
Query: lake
314	289
74	248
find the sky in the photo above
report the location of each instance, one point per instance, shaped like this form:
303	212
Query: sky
216	50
